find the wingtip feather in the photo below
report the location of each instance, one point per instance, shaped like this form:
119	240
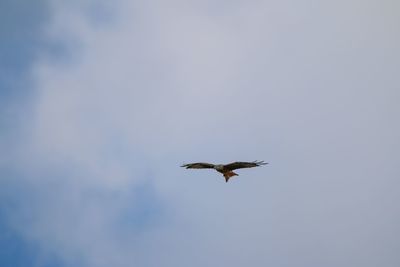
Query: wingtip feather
260	162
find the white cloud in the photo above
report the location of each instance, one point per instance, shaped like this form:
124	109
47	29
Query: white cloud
180	81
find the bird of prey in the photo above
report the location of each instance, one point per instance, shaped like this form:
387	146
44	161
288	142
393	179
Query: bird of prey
227	169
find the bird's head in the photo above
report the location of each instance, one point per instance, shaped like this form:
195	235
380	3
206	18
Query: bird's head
219	167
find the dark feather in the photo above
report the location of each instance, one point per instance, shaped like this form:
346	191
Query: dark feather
240	165
198	165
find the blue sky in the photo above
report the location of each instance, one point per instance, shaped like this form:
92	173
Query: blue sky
101	103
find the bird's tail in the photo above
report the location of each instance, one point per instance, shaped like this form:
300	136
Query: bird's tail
229	174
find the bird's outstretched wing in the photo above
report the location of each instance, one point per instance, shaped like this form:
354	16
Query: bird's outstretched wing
198	165
240	165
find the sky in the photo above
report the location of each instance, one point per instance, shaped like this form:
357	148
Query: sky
100	104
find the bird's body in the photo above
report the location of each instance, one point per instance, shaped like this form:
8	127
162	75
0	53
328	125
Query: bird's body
227	169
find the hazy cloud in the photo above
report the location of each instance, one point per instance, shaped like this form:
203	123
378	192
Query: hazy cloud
309	87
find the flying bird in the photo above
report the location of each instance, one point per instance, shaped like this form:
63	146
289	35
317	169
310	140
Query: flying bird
227	169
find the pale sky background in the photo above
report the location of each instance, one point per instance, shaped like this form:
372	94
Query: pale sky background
102	101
